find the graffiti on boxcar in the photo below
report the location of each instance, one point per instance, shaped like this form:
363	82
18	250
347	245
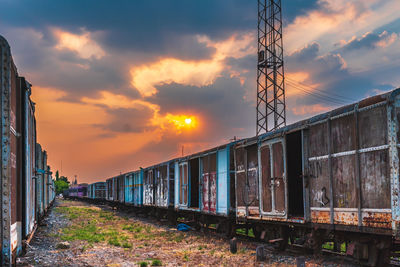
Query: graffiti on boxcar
315	168
320	196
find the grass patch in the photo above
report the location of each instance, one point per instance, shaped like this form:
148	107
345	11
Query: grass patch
242	231
126	245
186	256
89	232
106	215
143	264
114	242
156	262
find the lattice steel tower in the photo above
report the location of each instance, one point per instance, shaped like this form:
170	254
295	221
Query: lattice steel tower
271	107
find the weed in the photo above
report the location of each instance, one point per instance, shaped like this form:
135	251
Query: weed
143	264
126	245
89	233
108	216
156	262
179	238
186	256
114	242
212	252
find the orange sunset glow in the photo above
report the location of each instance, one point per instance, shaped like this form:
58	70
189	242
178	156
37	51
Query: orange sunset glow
113	95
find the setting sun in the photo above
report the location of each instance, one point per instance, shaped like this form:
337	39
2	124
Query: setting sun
182	121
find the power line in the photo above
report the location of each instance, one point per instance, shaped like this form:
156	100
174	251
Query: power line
330	94
326	99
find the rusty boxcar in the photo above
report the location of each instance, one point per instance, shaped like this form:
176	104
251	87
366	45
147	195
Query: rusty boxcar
336	172
20	187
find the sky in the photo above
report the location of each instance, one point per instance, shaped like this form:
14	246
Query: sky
123	84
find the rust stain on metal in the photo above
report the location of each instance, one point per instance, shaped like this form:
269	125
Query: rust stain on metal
377	219
371	101
345	217
320	216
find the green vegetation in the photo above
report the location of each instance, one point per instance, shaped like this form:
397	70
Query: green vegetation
242	231
89	229
330	246
186	256
126	245
156	262
88	232
143	263
61	183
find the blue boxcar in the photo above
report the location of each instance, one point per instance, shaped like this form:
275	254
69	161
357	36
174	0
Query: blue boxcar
203	181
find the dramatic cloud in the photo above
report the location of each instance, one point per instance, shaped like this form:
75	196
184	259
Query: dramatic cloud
82	44
196	73
123	85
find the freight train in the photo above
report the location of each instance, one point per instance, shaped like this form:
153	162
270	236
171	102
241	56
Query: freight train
331	178
27	188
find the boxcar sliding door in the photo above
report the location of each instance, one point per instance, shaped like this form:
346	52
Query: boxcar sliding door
246	165
209	185
183	184
273	178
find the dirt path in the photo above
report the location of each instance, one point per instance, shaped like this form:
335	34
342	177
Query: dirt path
100	236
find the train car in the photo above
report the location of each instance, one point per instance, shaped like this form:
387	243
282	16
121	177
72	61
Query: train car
97	190
204	184
116	189
22	189
78	191
336	172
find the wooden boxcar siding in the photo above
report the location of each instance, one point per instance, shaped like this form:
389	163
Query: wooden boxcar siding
149	187
161	183
15	161
247	200
208	171
30	144
348	168
110	189
121	188
177	185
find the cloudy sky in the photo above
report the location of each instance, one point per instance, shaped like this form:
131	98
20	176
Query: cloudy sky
124	84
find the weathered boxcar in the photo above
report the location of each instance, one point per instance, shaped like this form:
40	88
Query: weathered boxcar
336	171
159	186
204	184
97	190
78	191
20	185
